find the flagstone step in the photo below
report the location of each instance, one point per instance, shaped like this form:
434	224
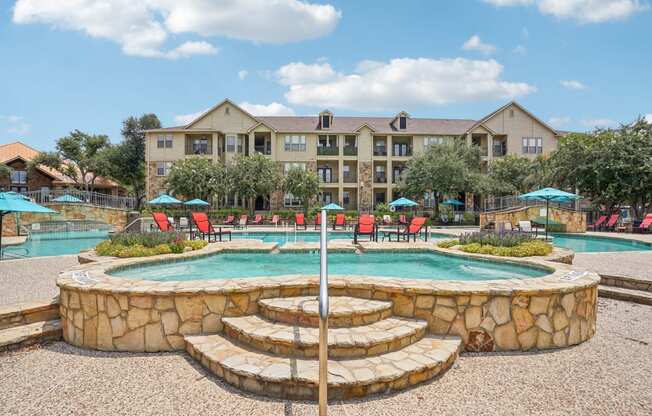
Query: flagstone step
21	336
297	378
630	295
343	311
380	337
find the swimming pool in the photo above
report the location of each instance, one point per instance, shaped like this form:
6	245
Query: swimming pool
414	265
56	244
592	244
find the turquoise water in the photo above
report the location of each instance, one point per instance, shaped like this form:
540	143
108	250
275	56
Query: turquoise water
591	244
430	266
56	244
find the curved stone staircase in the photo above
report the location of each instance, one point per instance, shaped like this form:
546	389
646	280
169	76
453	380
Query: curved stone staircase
275	352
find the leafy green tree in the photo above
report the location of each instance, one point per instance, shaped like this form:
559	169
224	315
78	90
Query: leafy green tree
512	173
78	156
444	169
197	178
253	176
5	172
303	185
127	159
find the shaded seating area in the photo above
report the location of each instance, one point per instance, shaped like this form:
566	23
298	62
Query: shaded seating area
414	229
205	230
366	226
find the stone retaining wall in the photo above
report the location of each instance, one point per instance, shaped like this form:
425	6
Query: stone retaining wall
574	221
114	314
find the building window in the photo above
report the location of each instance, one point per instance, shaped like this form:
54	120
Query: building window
402	122
202	145
163	168
19	177
290	200
295	143
325	121
234	143
346	198
533	145
164	141
430	140
293	165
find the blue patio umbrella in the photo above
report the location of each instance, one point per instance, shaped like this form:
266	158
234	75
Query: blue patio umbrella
164	199
197	203
332	207
14	202
549	194
453	202
67	198
403	202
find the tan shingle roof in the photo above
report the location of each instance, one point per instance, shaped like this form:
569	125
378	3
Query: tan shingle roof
11	151
381	125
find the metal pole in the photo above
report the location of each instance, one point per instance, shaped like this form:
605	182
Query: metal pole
323	316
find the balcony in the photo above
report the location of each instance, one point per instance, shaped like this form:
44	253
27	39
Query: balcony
328	179
350	151
402	150
396	178
350	178
380	178
380	151
328	150
499	149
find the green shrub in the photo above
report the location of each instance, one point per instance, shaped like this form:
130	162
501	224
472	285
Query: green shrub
447	243
526	249
149	240
509	239
195	244
148	244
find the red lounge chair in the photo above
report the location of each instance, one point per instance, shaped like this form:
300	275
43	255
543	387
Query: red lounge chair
414	229
242	222
205	228
644	226
300	221
365	226
340	221
596	225
275	220
317	220
230	220
258	219
162	221
613	220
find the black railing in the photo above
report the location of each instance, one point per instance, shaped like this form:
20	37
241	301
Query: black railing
350	178
350	151
380	179
328	150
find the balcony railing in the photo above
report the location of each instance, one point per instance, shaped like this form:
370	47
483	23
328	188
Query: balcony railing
87	197
402	151
350	178
350	151
328	150
263	150
396	178
328	179
380	178
380	151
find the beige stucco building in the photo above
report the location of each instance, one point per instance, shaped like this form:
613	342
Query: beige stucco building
358	159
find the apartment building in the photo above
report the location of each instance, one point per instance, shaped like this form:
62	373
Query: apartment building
358	159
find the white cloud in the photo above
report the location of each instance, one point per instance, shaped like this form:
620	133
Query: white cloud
14	125
474	43
583	11
598	122
648	118
559	122
572	84
273	109
300	73
242	74
183	119
519	50
142	27
401	83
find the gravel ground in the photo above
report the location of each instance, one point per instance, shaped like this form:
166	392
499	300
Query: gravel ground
609	375
31	279
636	264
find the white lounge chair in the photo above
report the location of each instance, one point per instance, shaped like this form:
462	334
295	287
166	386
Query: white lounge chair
526	227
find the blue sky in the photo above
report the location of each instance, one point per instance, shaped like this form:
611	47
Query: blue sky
71	64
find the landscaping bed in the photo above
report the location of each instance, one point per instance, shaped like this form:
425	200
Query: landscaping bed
147	244
512	244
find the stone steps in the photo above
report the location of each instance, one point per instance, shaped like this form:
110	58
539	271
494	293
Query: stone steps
630	295
344	311
379	337
296	378
21	336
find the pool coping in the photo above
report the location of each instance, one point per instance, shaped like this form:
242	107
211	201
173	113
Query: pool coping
94	276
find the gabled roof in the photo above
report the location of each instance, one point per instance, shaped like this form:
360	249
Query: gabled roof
216	106
517	105
18	150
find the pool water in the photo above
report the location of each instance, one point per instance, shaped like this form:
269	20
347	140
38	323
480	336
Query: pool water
430	266
591	244
56	244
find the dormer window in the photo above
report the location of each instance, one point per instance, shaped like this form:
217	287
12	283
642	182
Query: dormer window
325	119
402	122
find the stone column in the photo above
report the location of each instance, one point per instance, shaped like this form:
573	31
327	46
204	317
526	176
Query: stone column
251	143
365	193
